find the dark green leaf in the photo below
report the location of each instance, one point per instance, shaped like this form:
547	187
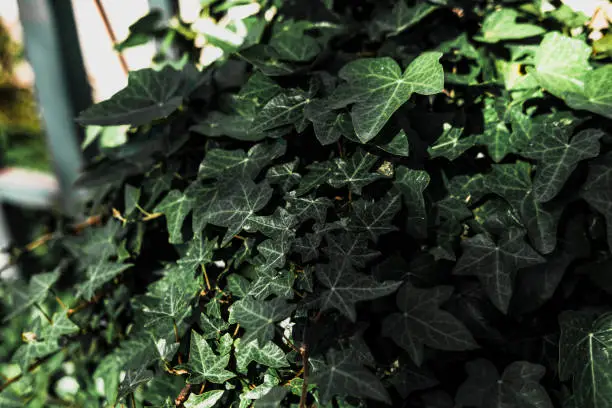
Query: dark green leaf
204	364
176	206
373	218
377	88
558	157
412	183
38	287
400	18
149	95
220	163
518	386
495	264
259	317
597	190
345	287
422	322
501	25
342	376
354	173
584	350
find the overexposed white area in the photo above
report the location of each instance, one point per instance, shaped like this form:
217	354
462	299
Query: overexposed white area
189	10
28	188
101	60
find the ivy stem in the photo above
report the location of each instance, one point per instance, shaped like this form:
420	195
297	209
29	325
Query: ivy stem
132	400
176	334
58	300
41	310
111	34
30	369
62	304
205	277
182	395
304	353
83	305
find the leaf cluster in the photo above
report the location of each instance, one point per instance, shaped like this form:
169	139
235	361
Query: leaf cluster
365	203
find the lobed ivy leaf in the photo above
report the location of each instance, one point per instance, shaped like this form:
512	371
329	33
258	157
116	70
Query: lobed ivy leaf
168	299
513	183
501	25
450	144
328	125
412	183
239	202
423	323
345	287
27	353
342	376
561	63
354	173
38	287
204	364
290	43
308	246
99	274
399	18
133	379
270	355
198	254
317	173
257	91
272	399
309	207
273	255
279	226
221	163
558	157
584	349
60	325
258	317
284	175
149	95
517	387
596	96
207	399
377	88
175	206
495	264
272	282
346	249
373	218
598	187
284	109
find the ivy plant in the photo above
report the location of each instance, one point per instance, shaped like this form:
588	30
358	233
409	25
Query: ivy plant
357	204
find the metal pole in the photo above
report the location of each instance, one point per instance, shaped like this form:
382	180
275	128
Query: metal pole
43	49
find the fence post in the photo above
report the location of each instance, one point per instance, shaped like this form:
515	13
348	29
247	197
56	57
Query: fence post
53	78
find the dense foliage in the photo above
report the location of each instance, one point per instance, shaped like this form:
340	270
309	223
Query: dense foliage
359	203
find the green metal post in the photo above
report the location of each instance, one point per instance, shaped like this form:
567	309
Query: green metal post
44	51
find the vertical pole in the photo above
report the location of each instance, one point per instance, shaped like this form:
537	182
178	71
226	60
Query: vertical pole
44	52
